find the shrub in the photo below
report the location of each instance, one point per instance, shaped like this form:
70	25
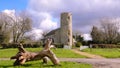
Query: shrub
105	46
118	43
15	45
58	45
36	45
78	44
3	45
9	45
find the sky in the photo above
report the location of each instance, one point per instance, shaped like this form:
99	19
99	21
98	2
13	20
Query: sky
46	13
13	4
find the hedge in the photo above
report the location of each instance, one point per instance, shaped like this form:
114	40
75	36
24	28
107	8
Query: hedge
105	46
15	45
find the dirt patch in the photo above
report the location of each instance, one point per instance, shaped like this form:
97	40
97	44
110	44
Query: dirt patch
87	54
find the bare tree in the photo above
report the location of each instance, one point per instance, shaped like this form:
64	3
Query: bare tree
16	26
108	32
22	24
110	29
5	28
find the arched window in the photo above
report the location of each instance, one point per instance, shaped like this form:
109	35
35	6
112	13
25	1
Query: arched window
68	40
68	32
68	17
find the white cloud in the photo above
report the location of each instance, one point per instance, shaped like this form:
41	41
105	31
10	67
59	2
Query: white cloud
84	11
47	23
86	37
9	12
36	34
43	21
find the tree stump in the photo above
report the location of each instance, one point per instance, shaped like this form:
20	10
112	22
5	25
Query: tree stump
24	56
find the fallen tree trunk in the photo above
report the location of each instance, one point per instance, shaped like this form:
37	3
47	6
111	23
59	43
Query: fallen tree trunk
23	56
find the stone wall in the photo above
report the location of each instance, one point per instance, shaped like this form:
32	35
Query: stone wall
57	36
66	28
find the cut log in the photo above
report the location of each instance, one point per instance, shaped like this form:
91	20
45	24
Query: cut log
23	56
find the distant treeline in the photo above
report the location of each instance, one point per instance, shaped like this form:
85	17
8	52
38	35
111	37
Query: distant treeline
108	32
15	45
28	45
105	46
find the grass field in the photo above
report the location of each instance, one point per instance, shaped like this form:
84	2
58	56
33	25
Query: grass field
38	64
105	52
61	53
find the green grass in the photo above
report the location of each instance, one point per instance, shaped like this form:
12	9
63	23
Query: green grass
38	64
61	53
66	53
105	52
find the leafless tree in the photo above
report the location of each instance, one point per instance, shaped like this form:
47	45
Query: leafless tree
5	27
22	24
110	29
108	32
14	26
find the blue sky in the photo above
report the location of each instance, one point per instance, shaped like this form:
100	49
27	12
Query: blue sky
13	4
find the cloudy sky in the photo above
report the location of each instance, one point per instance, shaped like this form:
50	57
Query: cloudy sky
46	13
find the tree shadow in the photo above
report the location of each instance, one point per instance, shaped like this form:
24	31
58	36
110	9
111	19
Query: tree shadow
39	65
6	66
26	65
51	65
11	66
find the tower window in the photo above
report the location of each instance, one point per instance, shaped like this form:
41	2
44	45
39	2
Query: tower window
68	40
68	32
68	17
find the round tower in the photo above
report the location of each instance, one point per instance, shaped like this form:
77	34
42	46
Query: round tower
66	29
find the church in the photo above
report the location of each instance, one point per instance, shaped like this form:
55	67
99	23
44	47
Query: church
63	35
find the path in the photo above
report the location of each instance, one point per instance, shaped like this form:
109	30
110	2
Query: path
96	60
87	54
4	58
97	63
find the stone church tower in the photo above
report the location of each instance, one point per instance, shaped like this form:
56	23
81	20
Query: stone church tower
66	29
63	35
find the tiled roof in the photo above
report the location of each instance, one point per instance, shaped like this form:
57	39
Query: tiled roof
52	32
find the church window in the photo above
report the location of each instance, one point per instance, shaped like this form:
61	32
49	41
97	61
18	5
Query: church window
52	40
68	40
68	17
68	32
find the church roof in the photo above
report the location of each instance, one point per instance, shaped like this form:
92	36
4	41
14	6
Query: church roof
52	32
